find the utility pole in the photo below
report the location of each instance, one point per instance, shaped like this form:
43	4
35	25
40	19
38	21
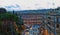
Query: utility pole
13	12
54	25
54	21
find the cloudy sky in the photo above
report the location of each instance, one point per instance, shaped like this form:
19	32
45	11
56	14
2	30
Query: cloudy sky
29	4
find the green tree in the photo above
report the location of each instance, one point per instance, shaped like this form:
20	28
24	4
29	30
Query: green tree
2	10
7	21
9	17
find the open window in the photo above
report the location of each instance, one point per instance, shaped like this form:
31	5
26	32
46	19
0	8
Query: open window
49	17
57	25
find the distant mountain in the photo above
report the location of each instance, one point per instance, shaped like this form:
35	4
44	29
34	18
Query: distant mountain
44	11
38	11
9	8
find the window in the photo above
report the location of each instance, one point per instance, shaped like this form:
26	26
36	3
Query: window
49	17
58	20
49	23
57	25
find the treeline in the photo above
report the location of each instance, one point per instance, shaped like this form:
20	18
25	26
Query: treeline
10	23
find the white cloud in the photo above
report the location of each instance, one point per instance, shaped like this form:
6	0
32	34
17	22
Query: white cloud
31	4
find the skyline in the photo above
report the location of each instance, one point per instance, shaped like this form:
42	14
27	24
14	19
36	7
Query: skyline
29	4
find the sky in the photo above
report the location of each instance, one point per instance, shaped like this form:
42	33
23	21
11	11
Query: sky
29	4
